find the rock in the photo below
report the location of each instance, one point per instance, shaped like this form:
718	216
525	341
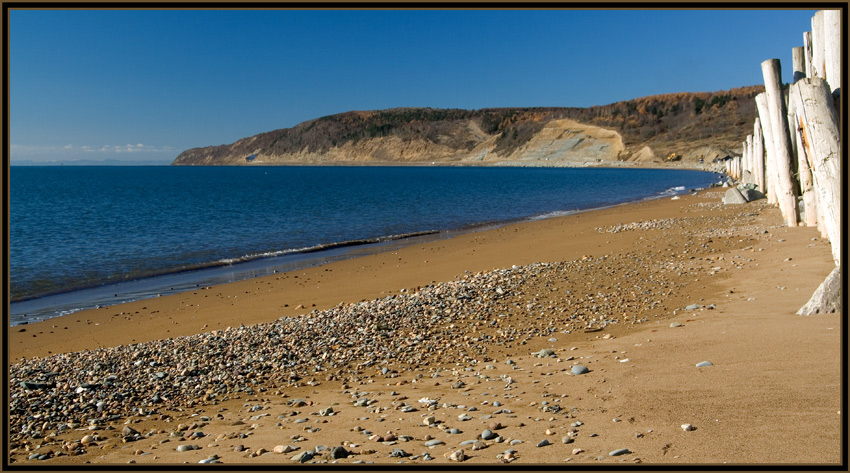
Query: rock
579	369
495	425
33	386
430	420
457	456
488	434
458	385
702	364
688	427
566	439
543	443
693	307
339	452
752	194
545	352
129	431
675	324
618	452
434	443
187	447
303	457
516	442
399	453
734	196
326	412
455	431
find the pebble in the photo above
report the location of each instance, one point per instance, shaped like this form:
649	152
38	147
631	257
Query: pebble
187	447
339	452
434	443
579	369
618	452
457	456
688	427
703	364
675	324
488	434
543	443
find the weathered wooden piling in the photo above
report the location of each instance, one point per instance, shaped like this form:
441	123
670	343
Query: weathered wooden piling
769	160
778	113
821	141
758	156
832	49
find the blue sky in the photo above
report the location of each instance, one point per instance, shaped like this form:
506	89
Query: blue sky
148	84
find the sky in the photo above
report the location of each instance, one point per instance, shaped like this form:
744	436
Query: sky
148	84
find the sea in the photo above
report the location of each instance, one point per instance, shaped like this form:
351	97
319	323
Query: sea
91	236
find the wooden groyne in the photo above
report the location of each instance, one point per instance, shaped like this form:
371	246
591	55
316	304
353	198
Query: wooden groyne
794	154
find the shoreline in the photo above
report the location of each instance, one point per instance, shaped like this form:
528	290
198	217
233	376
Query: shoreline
45	307
641	264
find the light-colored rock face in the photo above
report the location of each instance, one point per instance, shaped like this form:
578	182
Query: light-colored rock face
566	140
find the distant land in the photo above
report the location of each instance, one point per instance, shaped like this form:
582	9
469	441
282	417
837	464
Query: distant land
89	162
641	132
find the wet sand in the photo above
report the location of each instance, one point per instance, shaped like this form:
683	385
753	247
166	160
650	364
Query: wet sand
618	279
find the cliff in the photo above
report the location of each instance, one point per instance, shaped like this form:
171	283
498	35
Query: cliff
644	130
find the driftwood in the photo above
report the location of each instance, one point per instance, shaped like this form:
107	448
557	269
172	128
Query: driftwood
785	192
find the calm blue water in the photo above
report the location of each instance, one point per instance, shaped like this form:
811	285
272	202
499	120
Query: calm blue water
81	227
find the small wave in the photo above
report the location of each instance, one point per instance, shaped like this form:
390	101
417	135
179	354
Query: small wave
324	247
673	190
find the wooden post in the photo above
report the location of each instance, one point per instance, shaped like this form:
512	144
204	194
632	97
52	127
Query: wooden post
798	61
769	160
807	187
785	191
832	48
807	52
821	139
817	45
758	156
751	160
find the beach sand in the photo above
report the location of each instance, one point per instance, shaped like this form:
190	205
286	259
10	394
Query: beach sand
772	395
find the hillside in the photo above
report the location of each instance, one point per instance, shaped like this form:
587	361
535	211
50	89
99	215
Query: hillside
641	130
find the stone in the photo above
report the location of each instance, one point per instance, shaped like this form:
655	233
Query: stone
675	324
752	194
339	452
187	447
618	452
326	412
688	427
434	443
579	369
702	364
693	307
545	353
488	434
399	453
566	439
457	456
455	431
303	457
543	443
734	196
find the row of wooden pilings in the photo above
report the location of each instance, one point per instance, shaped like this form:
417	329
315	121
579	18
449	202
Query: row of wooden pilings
794	154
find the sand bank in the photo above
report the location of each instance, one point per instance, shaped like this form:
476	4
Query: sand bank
620	277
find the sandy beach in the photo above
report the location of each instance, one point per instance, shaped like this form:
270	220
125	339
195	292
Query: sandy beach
465	344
